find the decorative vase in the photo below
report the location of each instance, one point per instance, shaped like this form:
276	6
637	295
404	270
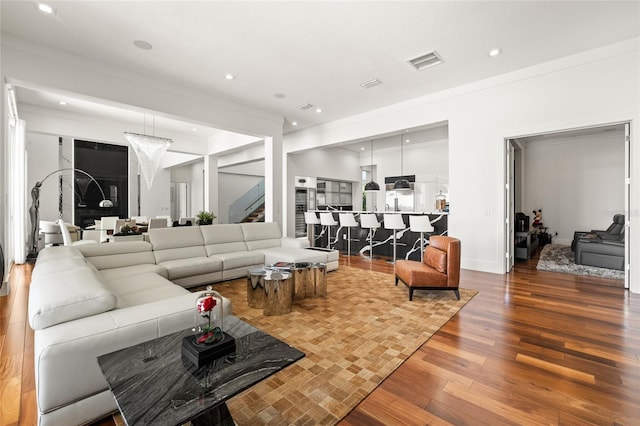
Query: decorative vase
441	202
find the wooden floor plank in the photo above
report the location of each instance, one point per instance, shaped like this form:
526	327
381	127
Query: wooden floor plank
10	400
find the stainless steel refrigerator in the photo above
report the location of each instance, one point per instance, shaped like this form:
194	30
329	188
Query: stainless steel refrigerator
305	200
403	201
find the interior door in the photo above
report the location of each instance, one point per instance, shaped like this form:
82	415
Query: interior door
509	195
627	200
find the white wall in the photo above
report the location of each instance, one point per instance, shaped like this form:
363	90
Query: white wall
553	96
42	159
197	187
577	181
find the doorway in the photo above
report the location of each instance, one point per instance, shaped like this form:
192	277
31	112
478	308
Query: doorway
577	177
180	200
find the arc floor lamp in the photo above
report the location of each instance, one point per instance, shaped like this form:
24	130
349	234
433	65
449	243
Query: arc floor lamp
34	210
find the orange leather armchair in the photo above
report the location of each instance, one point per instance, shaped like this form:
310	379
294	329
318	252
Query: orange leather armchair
439	270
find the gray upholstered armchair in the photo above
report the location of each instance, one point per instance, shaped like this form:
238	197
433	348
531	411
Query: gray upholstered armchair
593	250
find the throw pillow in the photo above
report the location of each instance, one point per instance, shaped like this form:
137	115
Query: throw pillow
435	258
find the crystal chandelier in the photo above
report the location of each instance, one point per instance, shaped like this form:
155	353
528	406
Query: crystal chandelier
149	150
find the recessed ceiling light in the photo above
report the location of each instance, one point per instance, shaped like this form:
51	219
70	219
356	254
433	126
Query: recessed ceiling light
144	45
407	140
294	123
318	110
362	148
195	129
495	52
229	76
45	8
63	103
279	95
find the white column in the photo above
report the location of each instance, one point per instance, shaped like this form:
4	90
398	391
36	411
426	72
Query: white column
273	181
211	202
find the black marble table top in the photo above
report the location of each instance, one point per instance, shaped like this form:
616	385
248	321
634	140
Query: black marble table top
153	384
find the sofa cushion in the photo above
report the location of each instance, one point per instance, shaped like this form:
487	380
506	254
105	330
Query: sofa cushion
240	259
414	273
177	243
289	254
435	258
52	256
55	298
261	235
130	271
116	255
223	238
173	238
193	266
91	250
143	288
179	253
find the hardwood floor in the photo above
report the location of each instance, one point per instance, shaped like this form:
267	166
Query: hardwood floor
531	348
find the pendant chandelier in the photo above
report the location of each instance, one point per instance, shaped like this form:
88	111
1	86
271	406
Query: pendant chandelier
372	185
401	184
149	149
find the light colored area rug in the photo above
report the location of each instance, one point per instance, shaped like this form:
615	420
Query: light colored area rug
560	258
353	339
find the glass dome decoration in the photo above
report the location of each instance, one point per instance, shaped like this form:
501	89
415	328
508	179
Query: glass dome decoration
209	342
208	317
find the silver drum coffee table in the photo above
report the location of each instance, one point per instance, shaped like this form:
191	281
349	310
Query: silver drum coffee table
309	279
271	290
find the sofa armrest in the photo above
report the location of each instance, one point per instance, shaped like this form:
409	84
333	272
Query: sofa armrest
295	242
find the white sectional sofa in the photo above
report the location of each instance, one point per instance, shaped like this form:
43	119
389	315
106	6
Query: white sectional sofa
89	300
195	255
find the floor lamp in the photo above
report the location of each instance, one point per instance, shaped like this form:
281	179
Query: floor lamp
34	213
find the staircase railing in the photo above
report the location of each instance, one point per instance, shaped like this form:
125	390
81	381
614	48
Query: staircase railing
248	203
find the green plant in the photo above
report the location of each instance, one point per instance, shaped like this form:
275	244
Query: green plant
206	217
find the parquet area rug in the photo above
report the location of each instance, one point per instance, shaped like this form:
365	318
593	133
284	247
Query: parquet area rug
560	258
353	339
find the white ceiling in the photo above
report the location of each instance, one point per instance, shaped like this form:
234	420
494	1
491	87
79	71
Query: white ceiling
315	52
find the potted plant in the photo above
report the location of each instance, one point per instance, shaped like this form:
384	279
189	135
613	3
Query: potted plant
205	218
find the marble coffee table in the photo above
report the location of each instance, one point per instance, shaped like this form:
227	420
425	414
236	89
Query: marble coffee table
153	385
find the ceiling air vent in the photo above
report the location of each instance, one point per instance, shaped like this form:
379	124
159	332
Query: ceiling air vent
304	106
370	83
425	61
